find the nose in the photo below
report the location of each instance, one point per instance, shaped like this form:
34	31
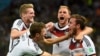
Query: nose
33	14
62	13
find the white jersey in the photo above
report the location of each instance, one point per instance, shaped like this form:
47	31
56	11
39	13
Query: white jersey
20	26
22	45
85	47
61	47
25	47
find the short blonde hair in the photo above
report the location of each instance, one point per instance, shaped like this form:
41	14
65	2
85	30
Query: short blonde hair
24	7
63	6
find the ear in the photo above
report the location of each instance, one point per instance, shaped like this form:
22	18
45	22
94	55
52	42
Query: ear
78	26
23	14
37	34
69	15
30	36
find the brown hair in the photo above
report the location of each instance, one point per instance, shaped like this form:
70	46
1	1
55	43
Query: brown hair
80	20
36	28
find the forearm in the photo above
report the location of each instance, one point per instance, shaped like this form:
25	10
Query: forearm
56	40
45	54
93	55
49	25
87	30
15	34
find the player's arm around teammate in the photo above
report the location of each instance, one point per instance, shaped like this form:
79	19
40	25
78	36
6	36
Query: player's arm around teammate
49	26
56	40
87	30
22	25
15	33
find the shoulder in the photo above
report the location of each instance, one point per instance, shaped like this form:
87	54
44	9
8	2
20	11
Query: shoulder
88	40
56	25
86	37
18	22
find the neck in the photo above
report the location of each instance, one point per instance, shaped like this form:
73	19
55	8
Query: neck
38	41
35	39
63	24
78	31
27	23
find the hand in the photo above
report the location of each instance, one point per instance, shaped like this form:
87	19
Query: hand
50	25
46	54
79	54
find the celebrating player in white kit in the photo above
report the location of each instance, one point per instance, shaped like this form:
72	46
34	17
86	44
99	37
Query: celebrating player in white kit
19	37
61	28
82	47
21	26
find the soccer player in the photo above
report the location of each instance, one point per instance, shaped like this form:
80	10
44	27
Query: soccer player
20	29
30	47
21	26
82	47
38	33
61	28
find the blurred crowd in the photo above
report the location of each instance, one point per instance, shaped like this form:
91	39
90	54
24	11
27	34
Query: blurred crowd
46	10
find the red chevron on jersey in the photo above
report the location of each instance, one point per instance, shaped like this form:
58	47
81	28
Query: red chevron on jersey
74	45
58	33
23	29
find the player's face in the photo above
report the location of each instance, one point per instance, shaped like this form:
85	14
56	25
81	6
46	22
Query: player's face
72	25
63	15
43	33
29	15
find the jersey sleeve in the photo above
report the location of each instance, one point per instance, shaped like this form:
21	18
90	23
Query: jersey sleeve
89	45
17	24
36	50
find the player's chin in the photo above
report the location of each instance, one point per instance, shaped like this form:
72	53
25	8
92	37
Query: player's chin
31	20
61	21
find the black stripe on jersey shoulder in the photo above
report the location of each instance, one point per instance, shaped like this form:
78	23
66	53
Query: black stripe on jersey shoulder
86	40
15	28
19	22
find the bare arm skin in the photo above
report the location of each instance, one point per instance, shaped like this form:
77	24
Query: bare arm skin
15	33
45	54
87	30
49	25
56	40
94	55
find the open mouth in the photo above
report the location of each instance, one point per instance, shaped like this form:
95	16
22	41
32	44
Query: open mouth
61	18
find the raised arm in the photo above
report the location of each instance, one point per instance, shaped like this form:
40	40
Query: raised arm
16	29
45	54
49	25
87	30
56	40
15	33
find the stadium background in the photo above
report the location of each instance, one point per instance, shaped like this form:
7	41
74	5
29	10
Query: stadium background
46	10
